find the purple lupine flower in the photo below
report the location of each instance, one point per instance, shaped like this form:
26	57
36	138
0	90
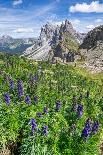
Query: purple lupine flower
35	77
33	125
7	98
11	84
87	130
36	99
95	127
45	110
45	130
20	88
28	100
74	103
39	114
80	110
57	105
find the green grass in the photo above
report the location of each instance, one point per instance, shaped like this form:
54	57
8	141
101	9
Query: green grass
57	81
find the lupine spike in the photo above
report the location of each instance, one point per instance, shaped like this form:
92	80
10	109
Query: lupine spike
33	125
80	110
11	84
20	88
87	130
45	130
36	99
57	105
45	110
39	114
7	98
28	100
95	127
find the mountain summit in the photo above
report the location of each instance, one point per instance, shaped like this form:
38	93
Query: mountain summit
54	41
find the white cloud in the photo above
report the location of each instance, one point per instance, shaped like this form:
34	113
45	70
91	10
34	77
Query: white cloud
23	30
17	2
90	27
94	6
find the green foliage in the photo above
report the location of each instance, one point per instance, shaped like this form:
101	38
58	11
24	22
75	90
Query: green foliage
55	81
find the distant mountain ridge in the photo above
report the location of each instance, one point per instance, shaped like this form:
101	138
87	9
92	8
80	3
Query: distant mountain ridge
12	45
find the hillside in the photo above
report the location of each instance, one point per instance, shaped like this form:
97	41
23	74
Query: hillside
41	102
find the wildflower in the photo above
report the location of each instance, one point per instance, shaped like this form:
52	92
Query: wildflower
80	110
36	99
20	88
45	110
87	130
35	77
45	130
11	84
39	114
33	125
95	127
7	98
28	100
57	105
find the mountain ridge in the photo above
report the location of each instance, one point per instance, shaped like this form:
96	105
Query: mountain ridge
52	35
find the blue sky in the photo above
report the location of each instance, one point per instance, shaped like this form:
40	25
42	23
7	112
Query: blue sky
24	18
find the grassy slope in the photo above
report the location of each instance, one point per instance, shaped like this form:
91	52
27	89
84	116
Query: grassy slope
55	82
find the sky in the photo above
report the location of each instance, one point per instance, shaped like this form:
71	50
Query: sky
24	18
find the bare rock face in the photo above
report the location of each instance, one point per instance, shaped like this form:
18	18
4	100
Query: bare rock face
92	49
46	34
92	46
41	50
52	36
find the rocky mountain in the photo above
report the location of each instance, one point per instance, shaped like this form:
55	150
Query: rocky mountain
92	46
55	42
11	45
92	49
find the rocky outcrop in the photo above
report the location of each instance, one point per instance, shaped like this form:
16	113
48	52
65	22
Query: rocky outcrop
92	49
41	50
92	46
91	39
55	39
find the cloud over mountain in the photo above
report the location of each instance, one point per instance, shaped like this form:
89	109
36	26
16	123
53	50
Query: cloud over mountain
94	6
